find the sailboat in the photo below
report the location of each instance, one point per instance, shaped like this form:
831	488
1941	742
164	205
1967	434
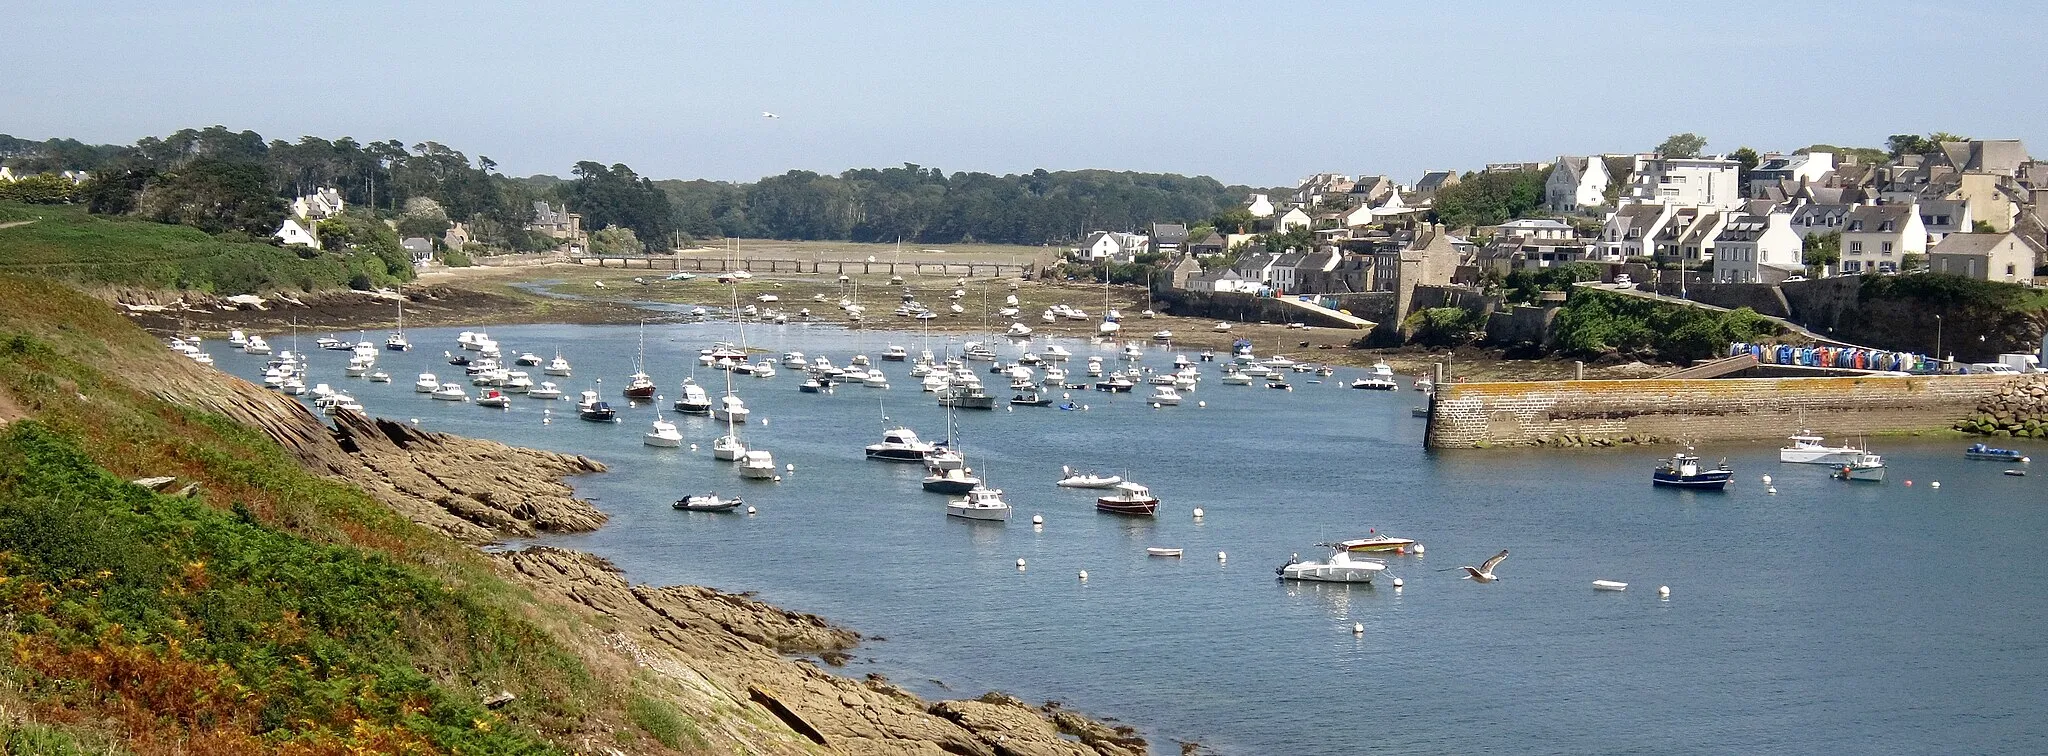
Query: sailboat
397	342
951	479
640	388
730	408
728	447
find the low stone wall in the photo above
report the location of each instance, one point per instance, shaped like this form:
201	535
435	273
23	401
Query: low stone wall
2017	410
1600	413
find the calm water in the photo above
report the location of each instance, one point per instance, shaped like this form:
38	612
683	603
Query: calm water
1830	617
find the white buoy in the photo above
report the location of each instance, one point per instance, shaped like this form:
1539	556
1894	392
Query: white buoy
1020	562
1397	582
1084	407
1934	484
693	447
1084	576
1773	490
1418	549
791	467
764	422
1357	628
1198	513
1038	519
778	479
415	421
1767	480
1663	590
1155	405
1222	557
751	510
1201	404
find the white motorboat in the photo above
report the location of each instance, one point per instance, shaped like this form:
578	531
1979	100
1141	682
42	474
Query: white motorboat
1133	352
1160	379
1019	330
492	377
1164	396
1221	327
494	398
1056	353
527	359
557	366
695	401
331	343
1609	585
255	345
1809	449
1338	568
1256	370
901	445
358	367
518	382
795	360
321	390
1162	335
764	369
876	379
730	409
1236	378
1380	379
237	338
546	390
426	384
707	503
380	377
981	503
451	392
934	382
894	353
292	386
1164	551
663	434
1376	541
757	464
476	341
1071	479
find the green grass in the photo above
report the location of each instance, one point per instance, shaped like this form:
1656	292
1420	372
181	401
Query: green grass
276	611
68	243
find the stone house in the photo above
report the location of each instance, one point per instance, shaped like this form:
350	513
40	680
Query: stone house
1985	257
1875	238
421	250
1758	249
556	224
322	204
1425	188
1629	231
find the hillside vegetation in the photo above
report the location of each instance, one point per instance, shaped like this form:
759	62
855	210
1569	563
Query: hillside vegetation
64	241
268	612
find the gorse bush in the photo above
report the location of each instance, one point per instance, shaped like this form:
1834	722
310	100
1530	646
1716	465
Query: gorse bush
1593	323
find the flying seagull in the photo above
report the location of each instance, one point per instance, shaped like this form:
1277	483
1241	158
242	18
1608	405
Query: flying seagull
766	114
1484	572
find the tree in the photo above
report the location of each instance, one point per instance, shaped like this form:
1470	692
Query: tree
1822	252
616	240
1907	144
1747	160
1236	220
1686	145
1298	238
40	189
1982	227
1485	199
216	196
617	196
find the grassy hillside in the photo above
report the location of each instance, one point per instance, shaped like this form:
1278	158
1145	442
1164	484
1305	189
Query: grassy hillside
270	612
64	241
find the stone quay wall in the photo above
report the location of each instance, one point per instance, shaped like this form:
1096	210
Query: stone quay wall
2020	409
1605	413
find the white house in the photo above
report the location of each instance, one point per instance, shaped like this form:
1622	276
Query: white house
1813	220
1576	183
1260	206
1535	228
292	233
1293	218
1698	182
1790	170
1629	231
1758	249
10	175
322	204
1876	237
1114	245
422	251
1985	257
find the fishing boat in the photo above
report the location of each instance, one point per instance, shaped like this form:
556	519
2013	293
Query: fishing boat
966	397
981	503
1338	568
494	398
451	392
1164	396
1030	398
426	384
1981	451
598	412
707	503
518	382
1130	499
1377	541
255	345
1071	479
900	445
894	353
811	386
951	481
546	390
380	377
663	434
556	366
1865	467
528	359
731	409
1683	471
1808	449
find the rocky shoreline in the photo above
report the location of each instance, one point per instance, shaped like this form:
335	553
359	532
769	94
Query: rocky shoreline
749	674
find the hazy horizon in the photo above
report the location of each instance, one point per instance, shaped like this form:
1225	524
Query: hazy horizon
1248	95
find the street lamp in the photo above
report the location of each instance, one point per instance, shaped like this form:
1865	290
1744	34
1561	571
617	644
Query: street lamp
1937	339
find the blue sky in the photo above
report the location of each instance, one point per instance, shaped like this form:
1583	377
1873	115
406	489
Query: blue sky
1260	93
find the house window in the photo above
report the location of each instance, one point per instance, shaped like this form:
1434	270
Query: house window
1852	266
1941	220
1885	226
1669	192
2009	269
1856	225
1855	247
1887	248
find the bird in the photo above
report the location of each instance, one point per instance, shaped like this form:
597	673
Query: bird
1484	572
766	114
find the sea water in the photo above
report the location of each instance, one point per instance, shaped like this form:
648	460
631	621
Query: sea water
1827	617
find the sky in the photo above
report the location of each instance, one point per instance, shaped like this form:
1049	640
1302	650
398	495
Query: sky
1251	93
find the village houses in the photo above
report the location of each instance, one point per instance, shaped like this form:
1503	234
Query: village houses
1985	257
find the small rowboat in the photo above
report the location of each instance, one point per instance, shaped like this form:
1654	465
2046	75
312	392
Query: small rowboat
1377	541
1162	552
1609	585
703	503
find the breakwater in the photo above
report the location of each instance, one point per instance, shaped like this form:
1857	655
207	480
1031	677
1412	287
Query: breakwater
2019	409
1603	413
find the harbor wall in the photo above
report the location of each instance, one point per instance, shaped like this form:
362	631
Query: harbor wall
1249	308
1603	413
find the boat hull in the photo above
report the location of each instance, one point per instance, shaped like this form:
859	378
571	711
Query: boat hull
599	416
1816	456
757	473
978	514
950	485
1872	474
663	441
1710	480
1141	508
896	455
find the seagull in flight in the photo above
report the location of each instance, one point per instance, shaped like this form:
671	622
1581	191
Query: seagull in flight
1484	572
766	114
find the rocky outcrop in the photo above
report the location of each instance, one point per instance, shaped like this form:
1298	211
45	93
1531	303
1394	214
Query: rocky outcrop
471	489
2019	410
731	649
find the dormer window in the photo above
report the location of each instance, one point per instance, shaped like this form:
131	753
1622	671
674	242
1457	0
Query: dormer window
1855	225
1885	226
